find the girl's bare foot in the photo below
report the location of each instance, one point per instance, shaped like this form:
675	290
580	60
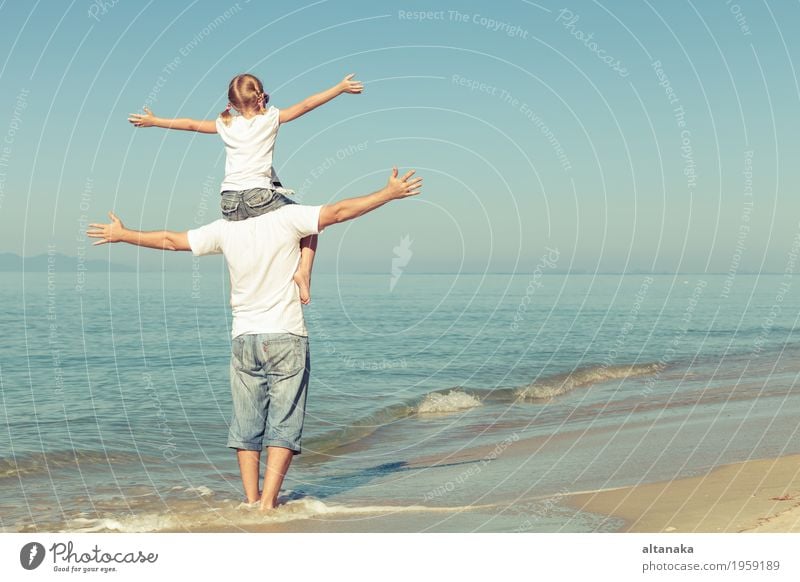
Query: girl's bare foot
303	281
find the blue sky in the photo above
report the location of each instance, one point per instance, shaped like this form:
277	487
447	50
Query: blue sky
535	125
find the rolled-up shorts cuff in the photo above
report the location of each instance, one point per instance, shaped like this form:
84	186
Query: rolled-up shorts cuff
293	445
247	446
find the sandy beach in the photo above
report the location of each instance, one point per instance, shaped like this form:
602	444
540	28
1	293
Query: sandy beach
761	495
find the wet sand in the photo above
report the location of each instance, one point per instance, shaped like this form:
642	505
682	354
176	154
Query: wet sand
754	496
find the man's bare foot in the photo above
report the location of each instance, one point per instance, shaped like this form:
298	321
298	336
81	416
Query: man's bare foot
249	501
267	506
303	281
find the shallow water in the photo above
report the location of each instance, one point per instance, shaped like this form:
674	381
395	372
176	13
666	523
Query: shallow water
448	403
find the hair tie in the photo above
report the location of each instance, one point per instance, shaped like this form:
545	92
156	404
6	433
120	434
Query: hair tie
228	108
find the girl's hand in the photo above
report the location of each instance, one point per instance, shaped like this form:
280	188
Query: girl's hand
349	86
146	120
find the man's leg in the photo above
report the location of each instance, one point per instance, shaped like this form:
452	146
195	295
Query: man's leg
249	462
249	392
289	366
278	461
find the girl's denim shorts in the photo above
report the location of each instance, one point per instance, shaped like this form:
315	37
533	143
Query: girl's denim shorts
243	204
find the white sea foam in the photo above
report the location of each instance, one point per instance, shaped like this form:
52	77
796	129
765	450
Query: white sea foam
453	401
143	523
202	490
243	515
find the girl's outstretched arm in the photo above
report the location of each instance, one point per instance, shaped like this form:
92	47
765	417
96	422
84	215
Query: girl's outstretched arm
347	85
150	120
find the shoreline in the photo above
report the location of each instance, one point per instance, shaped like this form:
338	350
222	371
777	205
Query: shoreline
759	495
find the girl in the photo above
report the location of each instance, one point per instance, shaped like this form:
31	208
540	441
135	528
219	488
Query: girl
251	187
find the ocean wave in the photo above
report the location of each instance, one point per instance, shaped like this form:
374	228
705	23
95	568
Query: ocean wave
453	401
201	490
559	384
457	399
437	402
432	403
37	463
359	430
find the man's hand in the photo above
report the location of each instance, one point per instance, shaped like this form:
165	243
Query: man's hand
351	208
403	187
109	233
115	231
347	85
146	120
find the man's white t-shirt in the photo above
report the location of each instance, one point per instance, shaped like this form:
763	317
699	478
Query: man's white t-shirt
249	144
262	255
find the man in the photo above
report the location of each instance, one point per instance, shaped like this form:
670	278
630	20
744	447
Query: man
270	362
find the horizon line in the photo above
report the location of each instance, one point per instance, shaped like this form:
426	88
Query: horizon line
133	270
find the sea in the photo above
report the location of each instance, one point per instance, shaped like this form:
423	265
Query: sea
438	402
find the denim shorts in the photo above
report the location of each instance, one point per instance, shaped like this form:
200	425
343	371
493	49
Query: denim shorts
269	382
243	204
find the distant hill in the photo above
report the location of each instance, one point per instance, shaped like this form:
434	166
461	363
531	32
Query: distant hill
61	262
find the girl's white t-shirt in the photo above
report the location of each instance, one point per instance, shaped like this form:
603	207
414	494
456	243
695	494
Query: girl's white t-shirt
248	147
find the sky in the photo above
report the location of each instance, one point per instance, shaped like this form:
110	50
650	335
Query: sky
628	136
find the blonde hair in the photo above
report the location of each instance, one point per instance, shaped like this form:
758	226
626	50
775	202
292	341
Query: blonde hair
245	94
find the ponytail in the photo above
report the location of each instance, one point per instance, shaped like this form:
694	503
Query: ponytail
226	115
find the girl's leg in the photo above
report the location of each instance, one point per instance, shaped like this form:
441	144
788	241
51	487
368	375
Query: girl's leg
308	248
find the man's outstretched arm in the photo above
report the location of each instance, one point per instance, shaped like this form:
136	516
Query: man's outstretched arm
350	208
115	231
